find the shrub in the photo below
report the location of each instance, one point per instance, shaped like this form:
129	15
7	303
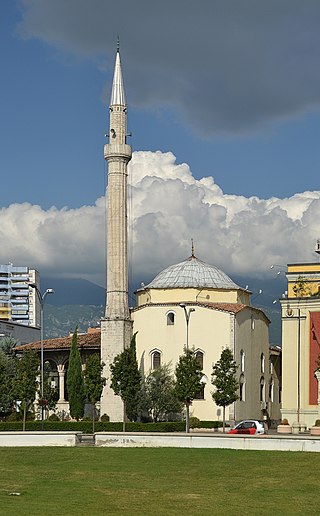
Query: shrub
317	422
104	417
194	422
284	422
53	417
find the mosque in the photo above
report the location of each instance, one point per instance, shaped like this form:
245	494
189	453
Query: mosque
189	304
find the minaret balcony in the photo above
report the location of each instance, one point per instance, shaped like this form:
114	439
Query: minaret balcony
117	150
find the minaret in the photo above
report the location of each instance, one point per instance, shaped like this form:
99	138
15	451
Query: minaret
116	327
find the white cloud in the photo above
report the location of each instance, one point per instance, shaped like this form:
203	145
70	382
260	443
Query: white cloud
242	236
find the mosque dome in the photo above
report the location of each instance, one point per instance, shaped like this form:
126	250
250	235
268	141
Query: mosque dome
192	273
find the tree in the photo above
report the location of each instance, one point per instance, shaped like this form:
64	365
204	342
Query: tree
75	380
188	380
224	380
160	396
126	380
94	382
26	384
7	344
7	374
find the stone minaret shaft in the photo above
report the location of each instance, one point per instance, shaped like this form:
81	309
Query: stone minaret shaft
118	154
116	327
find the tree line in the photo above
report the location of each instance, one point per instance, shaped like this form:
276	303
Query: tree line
162	395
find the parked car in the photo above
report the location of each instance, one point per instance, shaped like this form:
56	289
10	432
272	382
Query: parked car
249	427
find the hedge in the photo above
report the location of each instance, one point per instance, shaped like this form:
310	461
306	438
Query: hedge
101	426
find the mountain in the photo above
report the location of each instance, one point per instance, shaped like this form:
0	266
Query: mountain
73	292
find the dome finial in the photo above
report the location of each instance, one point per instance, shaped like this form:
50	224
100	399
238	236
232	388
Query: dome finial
118	44
192	249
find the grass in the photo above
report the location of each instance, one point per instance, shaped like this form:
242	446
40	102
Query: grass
160	481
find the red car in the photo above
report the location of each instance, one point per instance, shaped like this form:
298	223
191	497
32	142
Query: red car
249	427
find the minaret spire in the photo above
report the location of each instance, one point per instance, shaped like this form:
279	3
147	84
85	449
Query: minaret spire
118	97
116	327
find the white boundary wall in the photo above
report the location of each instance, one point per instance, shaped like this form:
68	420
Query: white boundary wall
208	441
16	439
153	440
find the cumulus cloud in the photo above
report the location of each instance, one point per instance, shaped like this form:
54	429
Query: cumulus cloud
222	66
168	207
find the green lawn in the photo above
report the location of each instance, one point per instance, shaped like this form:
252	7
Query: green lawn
163	481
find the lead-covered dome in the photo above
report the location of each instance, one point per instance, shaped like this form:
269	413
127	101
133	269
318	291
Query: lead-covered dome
192	273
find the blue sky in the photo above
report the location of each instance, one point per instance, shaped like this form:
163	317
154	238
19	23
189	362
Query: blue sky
54	117
231	89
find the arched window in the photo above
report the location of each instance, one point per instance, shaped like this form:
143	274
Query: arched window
271	390
170	318
262	389
199	356
262	363
242	356
204	381
242	388
51	375
155	359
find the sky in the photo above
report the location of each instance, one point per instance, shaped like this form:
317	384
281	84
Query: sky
224	109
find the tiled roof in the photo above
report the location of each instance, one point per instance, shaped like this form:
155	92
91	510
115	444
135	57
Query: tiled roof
88	340
192	273
233	308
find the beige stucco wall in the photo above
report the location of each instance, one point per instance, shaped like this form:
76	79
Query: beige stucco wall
252	336
191	295
292	311
210	331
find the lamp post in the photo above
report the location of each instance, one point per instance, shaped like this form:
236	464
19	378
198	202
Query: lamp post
187	314
42	298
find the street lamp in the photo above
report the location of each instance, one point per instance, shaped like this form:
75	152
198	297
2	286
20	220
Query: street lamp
187	314
42	298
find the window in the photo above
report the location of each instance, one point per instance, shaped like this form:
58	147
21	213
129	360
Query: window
262	362
262	389
270	367
242	388
271	390
242	361
200	395
204	381
252	323
170	318
199	356
155	359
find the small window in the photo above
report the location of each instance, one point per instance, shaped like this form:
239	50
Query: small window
170	318
271	390
270	367
242	355
262	389
199	357
155	360
262	364
242	388
200	395
252	323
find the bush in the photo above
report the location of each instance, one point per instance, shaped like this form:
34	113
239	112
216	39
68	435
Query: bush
284	422
53	417
105	418
194	422
101	426
317	422
17	416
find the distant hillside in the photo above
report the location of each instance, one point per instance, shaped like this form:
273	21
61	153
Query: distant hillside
73	292
59	321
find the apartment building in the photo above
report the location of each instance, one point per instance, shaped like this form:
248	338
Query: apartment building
18	301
